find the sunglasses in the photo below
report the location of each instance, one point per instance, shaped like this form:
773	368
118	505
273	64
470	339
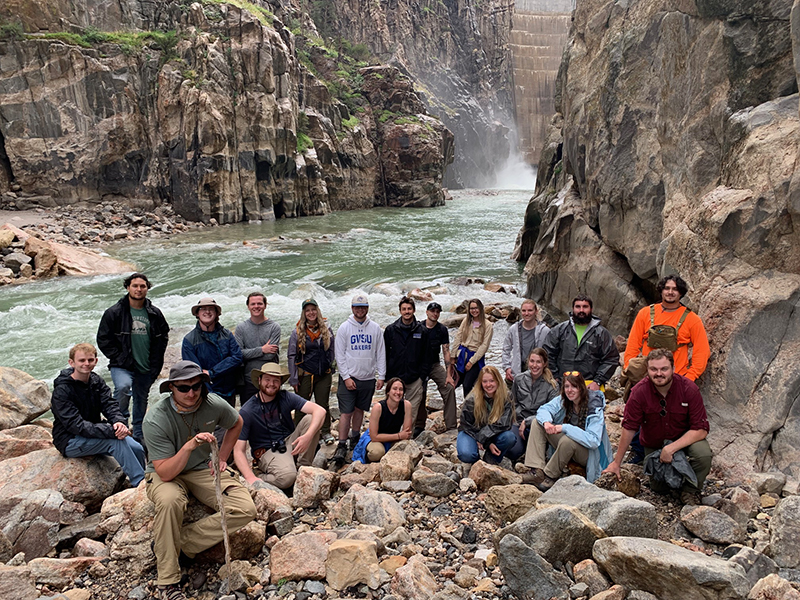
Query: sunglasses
185	389
574	373
663	403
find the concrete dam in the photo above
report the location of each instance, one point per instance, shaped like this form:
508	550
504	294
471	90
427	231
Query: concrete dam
539	33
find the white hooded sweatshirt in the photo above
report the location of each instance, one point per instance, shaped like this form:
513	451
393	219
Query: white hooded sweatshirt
360	350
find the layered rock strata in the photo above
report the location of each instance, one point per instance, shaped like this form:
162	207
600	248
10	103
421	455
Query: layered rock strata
675	149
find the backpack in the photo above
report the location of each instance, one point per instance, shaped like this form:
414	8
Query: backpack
664	336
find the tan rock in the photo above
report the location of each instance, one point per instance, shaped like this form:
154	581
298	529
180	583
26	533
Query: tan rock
22	398
245	543
589	573
392	563
352	562
59	572
299	557
133	505
466	576
312	486
769	500
485	586
615	592
87	547
6	237
78	594
17	583
507	503
414	581
486	476
24	439
773	587
44	259
396	466
271	504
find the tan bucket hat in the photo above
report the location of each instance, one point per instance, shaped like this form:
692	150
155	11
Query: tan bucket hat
269	368
206	302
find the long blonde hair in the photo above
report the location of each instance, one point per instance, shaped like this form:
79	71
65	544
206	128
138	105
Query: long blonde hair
547	374
501	397
466	324
302	324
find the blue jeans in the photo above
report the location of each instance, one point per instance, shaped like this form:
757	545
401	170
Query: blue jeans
518	449
467	447
129	384
127	452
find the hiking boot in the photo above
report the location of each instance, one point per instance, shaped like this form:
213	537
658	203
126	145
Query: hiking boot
340	456
533	477
545	484
690	498
169	592
352	441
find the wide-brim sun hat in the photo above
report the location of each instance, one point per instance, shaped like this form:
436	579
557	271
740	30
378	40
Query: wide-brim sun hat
183	370
269	368
206	302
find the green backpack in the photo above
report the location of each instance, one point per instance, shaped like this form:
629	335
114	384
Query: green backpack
664	336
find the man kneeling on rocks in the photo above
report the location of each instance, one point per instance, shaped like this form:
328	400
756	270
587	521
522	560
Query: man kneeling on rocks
80	399
178	431
670	411
270	429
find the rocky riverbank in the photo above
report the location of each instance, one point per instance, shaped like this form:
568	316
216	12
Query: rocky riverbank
419	525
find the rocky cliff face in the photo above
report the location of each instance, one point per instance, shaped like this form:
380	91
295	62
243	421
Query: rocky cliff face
458	52
219	109
676	150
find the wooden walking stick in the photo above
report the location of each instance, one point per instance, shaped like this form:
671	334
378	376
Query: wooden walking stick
223	516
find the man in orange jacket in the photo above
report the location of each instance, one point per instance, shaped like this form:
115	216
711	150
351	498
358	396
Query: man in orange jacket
690	334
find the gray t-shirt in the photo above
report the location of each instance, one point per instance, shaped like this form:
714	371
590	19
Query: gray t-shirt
166	431
527	339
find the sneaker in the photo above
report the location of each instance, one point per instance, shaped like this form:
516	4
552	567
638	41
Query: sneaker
533	477
170	592
690	498
545	484
328	439
352	441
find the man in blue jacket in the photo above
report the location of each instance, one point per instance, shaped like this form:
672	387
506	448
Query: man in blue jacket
133	334
215	349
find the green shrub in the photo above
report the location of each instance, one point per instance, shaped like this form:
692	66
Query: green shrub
11	31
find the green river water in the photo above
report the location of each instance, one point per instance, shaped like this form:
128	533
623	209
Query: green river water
383	252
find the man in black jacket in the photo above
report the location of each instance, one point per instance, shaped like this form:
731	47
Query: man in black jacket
80	399
133	334
581	344
406	351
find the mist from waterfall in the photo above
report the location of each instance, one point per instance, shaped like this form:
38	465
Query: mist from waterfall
515	174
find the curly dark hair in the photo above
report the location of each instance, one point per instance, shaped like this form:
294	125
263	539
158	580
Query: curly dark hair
679	283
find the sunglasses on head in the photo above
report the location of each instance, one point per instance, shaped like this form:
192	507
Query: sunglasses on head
185	389
574	373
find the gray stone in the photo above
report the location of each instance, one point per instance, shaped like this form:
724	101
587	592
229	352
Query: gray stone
86	528
766	483
711	525
397	537
640	595
756	565
22	398
528	574
139	593
557	533
784	529
6	551
15	260
31	521
668	571
614	512
425	481
369	507
436	463
396	486
579	590
315	587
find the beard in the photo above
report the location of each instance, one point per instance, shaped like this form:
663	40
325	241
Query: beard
582	319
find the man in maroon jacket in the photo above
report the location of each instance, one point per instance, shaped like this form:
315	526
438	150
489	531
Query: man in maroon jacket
667	407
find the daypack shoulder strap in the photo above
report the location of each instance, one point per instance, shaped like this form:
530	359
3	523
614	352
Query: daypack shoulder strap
652	315
683	317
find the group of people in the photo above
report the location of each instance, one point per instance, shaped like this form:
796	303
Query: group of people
548	417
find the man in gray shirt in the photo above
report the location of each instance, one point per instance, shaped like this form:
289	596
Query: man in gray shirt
259	338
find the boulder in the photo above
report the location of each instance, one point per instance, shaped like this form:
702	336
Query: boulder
527	574
59	572
299	557
31	520
17	583
87	547
312	486
132	547
507	503
132	505
24	439
425	481
414	581
437	464
766	483
589	573
86	528
486	476
711	525
271	505
784	530
613	512
367	536
396	466
773	587
44	259
667	571
756	565
557	533
22	398
352	562
410	447
369	507
245	543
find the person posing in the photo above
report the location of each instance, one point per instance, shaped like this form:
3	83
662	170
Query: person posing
311	357
133	335
259	337
574	424
532	389
406	343
471	343
178	430
80	399
522	337
270	431
438	340
669	410
214	348
360	355
389	422
582	344
486	420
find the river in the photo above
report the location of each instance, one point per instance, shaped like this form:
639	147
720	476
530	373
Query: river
383	252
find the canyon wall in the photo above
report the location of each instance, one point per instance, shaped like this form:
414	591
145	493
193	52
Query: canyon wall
222	111
675	149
